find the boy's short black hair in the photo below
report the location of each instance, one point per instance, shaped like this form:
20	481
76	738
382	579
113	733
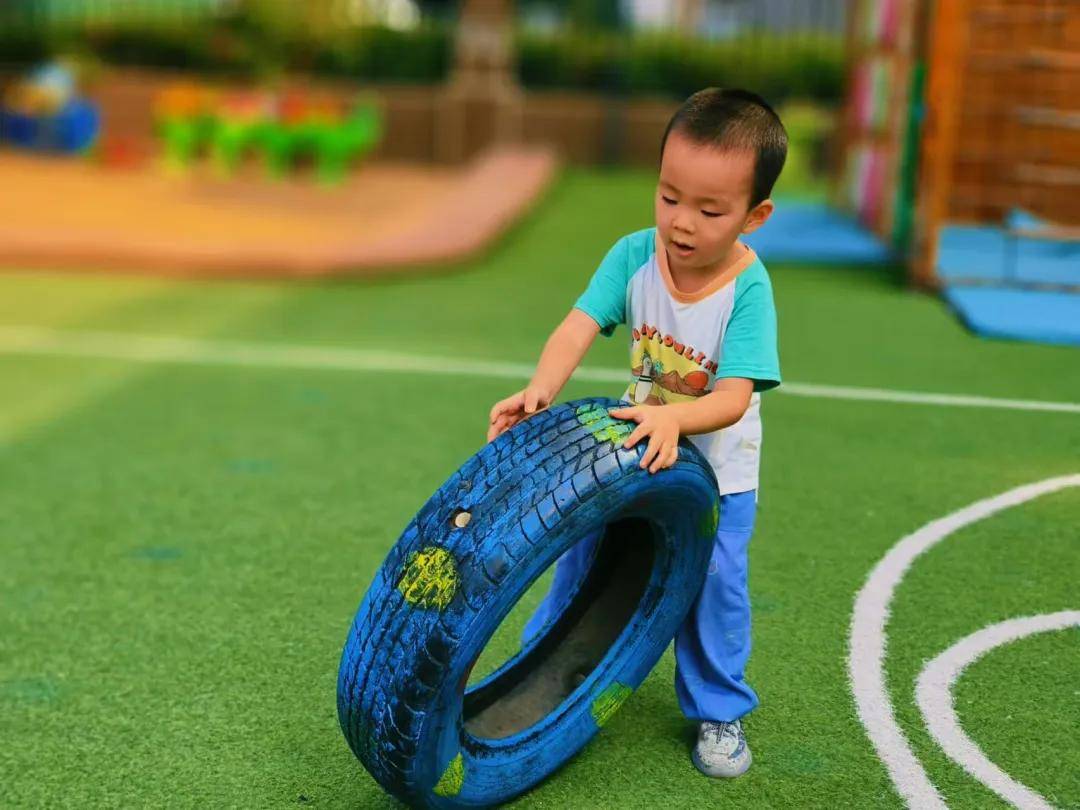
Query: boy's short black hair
735	120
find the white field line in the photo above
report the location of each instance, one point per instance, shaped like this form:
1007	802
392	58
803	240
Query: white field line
934	695
867	642
147	348
925	398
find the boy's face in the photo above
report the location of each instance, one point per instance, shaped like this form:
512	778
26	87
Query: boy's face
703	202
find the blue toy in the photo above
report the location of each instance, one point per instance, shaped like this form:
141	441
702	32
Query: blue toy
42	112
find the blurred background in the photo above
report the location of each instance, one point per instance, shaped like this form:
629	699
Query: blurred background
265	266
942	136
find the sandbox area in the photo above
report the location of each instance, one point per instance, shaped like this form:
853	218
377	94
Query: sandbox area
77	215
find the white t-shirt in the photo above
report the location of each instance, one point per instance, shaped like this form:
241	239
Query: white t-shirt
682	344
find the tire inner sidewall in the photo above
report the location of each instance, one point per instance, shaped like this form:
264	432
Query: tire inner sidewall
543	675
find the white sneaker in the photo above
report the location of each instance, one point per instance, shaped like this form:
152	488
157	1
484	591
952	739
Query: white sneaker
721	750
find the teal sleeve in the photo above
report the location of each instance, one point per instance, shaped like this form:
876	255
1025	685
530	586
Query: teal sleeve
604	300
749	349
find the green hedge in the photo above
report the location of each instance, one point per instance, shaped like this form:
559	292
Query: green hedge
372	54
663	65
237	46
777	67
423	55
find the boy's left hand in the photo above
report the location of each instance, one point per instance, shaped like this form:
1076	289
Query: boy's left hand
662	428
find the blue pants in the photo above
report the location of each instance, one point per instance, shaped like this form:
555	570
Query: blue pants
713	643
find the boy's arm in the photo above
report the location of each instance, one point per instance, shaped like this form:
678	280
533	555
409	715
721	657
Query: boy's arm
562	353
721	408
663	424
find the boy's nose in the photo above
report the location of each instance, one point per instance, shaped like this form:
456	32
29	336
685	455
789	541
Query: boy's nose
684	224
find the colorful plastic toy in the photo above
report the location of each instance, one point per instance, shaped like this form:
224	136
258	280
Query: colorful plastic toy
183	120
284	130
42	112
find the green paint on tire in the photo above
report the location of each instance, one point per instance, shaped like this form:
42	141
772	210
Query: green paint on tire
608	702
453	778
710	521
603	426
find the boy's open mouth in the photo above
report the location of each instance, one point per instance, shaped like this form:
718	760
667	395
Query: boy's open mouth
682	247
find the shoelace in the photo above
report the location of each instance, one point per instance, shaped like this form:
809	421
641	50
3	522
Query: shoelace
720	730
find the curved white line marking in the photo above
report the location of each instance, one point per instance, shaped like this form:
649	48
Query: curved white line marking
934	695
866	656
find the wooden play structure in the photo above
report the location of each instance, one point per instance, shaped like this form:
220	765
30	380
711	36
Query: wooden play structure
962	112
884	89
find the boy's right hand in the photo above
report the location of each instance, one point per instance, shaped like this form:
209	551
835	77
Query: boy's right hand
508	412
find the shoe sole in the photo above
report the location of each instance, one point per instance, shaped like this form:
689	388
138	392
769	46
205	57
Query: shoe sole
718	774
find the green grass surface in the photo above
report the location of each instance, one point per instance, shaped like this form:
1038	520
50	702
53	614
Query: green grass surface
183	547
1017	727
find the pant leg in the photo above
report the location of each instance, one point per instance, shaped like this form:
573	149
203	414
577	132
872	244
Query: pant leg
713	643
570	570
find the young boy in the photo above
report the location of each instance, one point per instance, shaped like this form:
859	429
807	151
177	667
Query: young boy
703	326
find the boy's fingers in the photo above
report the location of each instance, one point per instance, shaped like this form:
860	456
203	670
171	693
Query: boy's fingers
531	400
662	460
514	402
650	452
670	457
639	433
497	409
506	406
626	413
501	424
658	462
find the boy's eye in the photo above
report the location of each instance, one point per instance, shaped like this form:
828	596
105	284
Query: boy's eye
667	200
712	214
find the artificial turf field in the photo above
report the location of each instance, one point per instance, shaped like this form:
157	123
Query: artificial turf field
183	544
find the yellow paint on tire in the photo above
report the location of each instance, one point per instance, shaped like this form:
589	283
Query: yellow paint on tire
430	578
453	778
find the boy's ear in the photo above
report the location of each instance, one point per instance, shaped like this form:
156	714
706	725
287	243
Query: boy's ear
758	215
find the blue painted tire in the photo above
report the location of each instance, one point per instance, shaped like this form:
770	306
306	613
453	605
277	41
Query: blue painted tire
443	590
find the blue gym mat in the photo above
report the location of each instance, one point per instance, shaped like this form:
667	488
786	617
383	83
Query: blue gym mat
1017	314
980	253
812	232
992	278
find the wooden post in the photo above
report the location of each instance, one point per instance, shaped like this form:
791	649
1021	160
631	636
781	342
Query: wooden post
482	103
842	144
948	39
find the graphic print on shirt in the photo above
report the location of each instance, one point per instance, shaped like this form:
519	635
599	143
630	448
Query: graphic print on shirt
667	370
